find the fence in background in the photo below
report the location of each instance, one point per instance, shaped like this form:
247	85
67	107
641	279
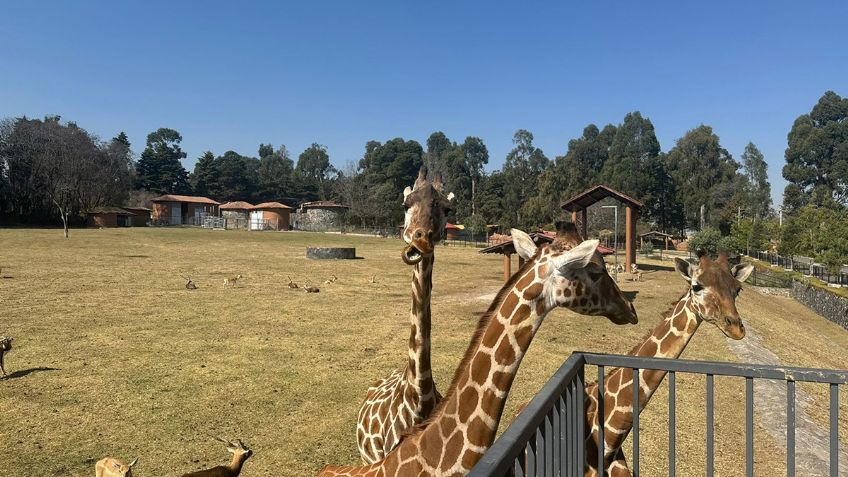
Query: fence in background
547	438
806	266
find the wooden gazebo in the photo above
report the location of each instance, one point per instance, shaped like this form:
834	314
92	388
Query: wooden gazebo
506	248
583	200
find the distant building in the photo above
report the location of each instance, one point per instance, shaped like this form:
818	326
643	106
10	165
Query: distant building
237	214
141	216
103	217
270	216
172	209
320	216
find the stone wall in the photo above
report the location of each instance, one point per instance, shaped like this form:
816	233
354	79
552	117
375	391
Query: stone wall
828	305
320	220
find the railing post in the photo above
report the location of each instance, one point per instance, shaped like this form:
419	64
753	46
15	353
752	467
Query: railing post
672	424
636	406
580	412
834	430
601	439
749	427
710	429
790	428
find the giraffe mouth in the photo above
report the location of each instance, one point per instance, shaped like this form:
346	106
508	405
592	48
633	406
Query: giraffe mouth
411	255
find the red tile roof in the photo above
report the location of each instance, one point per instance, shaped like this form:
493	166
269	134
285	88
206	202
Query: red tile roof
270	205
184	198
322	204
237	205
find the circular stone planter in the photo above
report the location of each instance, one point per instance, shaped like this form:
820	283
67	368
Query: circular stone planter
330	253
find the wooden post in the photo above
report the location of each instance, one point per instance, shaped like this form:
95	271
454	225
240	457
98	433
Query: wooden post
507	266
630	238
584	225
574	217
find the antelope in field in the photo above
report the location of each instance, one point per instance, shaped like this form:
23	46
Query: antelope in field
232	281
240	454
5	345
109	467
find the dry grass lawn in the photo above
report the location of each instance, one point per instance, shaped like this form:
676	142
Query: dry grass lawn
114	357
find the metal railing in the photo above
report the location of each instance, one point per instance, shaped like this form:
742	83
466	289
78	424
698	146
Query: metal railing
806	266
547	438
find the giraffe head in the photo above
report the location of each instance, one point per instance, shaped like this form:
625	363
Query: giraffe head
713	288
586	289
424	221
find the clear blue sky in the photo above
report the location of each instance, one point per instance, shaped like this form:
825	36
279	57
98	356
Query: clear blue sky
229	75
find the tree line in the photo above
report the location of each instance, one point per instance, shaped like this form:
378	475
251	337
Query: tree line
51	167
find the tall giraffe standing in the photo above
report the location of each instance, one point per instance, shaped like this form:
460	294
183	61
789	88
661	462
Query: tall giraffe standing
713	288
463	426
408	395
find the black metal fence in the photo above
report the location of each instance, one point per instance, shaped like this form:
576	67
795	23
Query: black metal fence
807	266
547	438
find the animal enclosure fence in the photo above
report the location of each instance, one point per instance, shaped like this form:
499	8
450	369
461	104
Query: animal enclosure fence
547	438
807	266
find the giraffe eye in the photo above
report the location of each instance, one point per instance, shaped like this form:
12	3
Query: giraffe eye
697	288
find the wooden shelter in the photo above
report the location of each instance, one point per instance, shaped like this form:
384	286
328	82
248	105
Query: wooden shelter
172	209
657	239
270	216
141	216
507	249
103	217
583	200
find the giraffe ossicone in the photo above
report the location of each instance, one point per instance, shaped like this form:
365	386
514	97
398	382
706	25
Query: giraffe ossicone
453	439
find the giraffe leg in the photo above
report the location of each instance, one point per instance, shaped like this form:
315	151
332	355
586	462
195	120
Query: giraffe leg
1	363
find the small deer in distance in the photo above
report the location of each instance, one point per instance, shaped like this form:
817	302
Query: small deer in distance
110	467
5	346
232	281
189	284
240	454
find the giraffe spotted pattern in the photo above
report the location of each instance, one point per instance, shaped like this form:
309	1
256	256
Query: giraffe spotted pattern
464	424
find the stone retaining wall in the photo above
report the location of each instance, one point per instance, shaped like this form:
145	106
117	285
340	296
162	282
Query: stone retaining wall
828	305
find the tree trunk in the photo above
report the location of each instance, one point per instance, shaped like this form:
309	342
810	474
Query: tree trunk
473	196
64	221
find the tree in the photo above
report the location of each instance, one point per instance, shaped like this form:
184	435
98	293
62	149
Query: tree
757	187
384	171
437	145
476	155
817	232
817	156
704	173
634	145
313	169
522	168
204	179
159	169
237	177
66	167
275	173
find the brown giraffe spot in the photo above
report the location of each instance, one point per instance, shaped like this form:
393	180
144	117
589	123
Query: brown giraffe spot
390	466
467	403
526	280
540	307
480	367
521	314
505	354
448	426
509	304
533	291
501	380
406	450
567	293
470	458
452	449
578	288
430	445
493	332
583	301
542	271
523	336
648	349
478	432
666	345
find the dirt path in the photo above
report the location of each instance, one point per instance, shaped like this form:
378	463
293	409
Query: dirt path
812	444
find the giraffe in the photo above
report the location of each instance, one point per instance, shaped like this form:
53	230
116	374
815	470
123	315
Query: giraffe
711	297
408	395
462	427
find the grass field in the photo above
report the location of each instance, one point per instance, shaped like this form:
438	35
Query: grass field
113	357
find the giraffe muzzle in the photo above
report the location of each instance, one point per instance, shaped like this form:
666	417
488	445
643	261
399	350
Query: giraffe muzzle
411	255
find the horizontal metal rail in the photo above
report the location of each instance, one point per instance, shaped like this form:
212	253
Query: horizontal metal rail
548	437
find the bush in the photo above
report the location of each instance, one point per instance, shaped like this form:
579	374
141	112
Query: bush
647	248
705	242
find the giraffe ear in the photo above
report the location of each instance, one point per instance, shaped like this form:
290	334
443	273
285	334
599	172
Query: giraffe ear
524	245
406	192
133	462
684	267
576	258
741	271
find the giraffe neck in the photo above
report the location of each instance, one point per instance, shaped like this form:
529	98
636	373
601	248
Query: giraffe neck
467	419
668	340
418	372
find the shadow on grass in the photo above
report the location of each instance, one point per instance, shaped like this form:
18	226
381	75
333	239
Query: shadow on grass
630	295
646	267
26	372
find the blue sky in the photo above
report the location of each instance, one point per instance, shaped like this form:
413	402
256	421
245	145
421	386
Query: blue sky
229	75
